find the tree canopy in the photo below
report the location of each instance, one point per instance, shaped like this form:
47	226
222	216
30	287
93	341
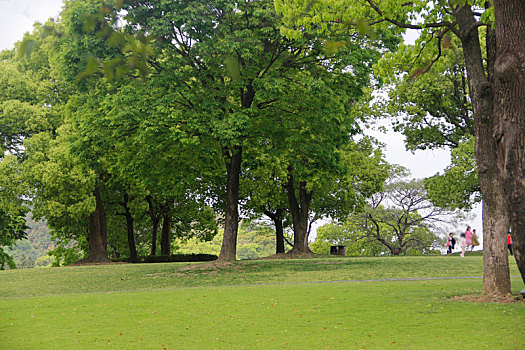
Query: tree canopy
134	124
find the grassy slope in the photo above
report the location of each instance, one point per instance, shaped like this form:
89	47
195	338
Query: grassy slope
149	308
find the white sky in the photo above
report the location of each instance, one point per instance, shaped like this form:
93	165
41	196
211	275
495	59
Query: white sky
18	16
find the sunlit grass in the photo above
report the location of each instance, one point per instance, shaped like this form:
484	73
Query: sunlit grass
175	275
246	305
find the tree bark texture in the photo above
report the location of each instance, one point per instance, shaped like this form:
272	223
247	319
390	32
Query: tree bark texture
231	215
496	277
98	232
509	113
299	211
165	237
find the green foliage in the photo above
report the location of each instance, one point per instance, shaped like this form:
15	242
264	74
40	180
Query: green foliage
254	241
349	235
195	80
68	252
6	259
12	228
333	16
24	255
20	116
457	186
24	111
432	110
65	185
397	220
362	173
32	251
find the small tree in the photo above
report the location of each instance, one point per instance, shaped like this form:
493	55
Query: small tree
349	235
400	218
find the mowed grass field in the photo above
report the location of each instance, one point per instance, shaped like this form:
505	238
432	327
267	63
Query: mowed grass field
269	304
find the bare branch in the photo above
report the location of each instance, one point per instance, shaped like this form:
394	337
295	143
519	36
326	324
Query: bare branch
376	8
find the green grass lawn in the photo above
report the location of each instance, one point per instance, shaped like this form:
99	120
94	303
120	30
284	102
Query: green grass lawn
249	304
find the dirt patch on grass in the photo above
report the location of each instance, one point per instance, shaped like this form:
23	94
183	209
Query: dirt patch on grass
164	274
290	256
213	266
86	263
485	299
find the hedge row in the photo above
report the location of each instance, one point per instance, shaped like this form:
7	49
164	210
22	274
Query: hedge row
170	258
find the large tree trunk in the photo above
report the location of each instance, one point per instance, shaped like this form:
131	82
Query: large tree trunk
231	215
155	220
509	113
233	160
496	278
98	233
299	211
131	234
396	251
277	219
165	238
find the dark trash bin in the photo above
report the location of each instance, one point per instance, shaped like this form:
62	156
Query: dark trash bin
338	250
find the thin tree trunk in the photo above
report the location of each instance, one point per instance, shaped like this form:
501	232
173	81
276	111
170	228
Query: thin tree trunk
155	220
299	211
231	217
154	231
277	219
496	277
165	238
98	234
115	253
131	234
509	112
279	236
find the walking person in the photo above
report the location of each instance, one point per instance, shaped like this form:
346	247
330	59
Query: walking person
509	243
462	244
468	236
450	243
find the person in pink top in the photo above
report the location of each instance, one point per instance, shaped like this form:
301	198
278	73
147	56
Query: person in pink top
468	236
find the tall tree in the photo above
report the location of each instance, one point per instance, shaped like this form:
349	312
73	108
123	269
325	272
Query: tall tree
439	19
28	97
404	224
509	112
74	48
225	63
